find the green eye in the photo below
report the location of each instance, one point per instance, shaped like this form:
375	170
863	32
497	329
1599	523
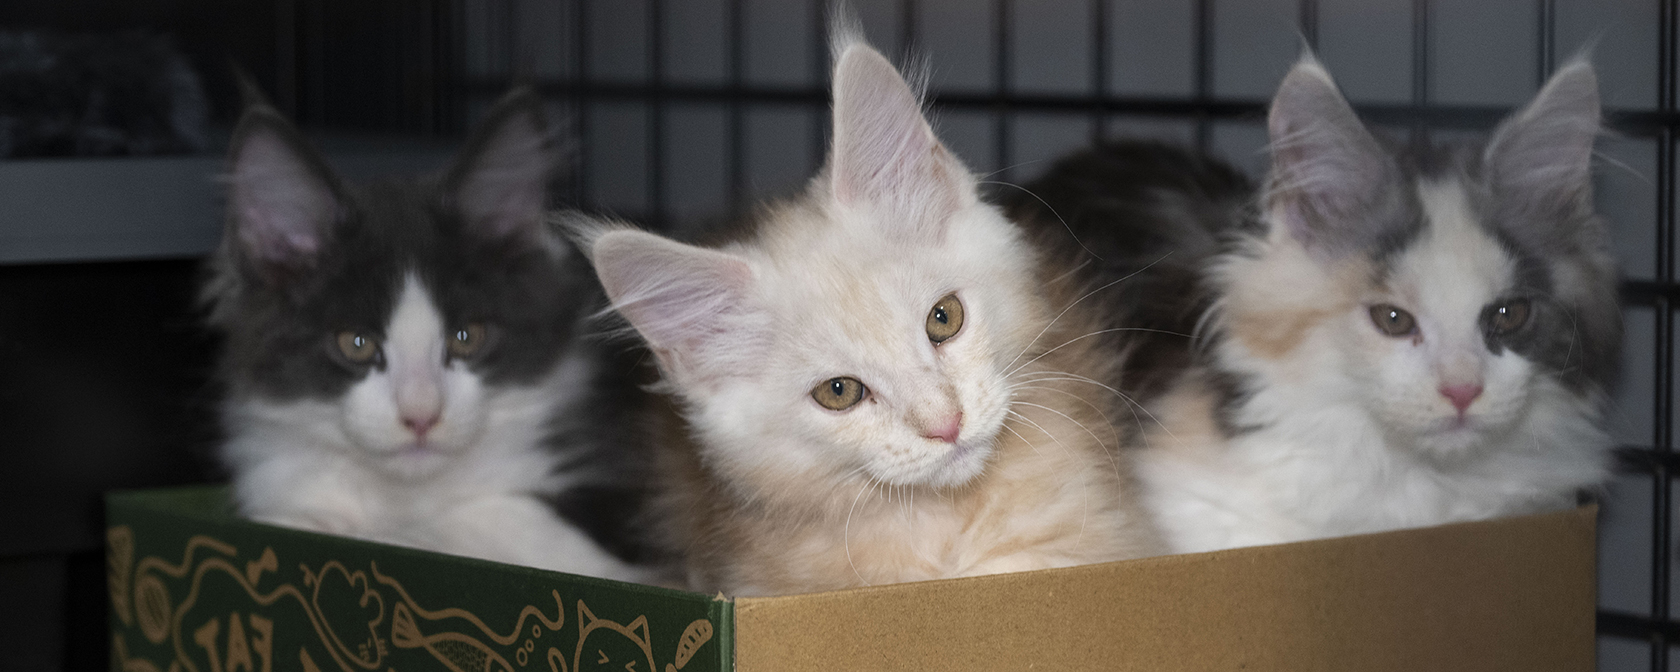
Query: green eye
467	341
357	347
1392	320
945	320
839	394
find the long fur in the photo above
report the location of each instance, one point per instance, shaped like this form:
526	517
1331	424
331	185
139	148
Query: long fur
769	493
519	451
1293	416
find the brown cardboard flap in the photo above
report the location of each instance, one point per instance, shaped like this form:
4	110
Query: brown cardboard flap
1513	594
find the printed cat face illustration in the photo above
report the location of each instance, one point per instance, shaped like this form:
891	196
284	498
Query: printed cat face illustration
606	645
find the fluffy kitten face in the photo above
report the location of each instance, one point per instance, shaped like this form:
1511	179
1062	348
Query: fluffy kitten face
1451	380
398	312
1452	294
848	303
813	350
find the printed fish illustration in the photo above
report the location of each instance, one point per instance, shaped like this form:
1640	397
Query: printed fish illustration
458	652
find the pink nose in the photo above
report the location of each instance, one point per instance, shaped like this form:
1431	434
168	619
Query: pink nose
946	431
420	424
1461	395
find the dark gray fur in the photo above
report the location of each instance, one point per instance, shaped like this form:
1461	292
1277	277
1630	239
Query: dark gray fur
279	308
1140	219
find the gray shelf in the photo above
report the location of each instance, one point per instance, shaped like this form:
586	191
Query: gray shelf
68	210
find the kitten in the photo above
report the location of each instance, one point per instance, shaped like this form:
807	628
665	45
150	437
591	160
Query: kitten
882	381
1392	338
405	359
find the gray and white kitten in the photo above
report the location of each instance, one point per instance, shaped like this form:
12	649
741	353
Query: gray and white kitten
1386	338
406	360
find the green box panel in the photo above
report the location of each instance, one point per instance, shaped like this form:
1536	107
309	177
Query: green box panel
195	589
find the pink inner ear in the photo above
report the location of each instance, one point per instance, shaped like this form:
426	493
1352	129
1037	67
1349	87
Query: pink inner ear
691	302
281	206
885	153
503	190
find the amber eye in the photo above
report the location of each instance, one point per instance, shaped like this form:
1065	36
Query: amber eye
839	394
945	320
1509	316
358	347
467	341
1393	321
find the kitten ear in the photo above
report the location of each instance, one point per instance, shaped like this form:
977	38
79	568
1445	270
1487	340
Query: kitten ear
693	305
500	181
1541	157
1329	175
885	155
282	198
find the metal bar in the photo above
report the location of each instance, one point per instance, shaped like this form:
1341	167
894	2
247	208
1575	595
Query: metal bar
581	79
1307	21
312	104
1099	68
1420	67
819	74
286	56
1646	459
1204	73
656	114
1001	103
1648	292
1545	42
1662	399
510	24
1631	626
907	33
737	112
1631	123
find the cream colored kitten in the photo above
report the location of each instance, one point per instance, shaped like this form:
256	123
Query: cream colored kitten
878	381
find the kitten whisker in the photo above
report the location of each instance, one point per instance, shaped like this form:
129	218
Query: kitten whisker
1023	439
846	534
1122	395
1076	339
1085	490
1114	432
1075	302
1052	210
1112	461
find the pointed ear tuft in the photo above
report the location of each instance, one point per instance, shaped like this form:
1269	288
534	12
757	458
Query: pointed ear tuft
1542	154
282	198
1328	172
500	181
693	305
885	155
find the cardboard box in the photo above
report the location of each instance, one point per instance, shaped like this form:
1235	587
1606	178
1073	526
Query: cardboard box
194	589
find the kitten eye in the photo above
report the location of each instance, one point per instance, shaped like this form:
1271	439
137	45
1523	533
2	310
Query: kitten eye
1393	321
839	394
358	347
945	320
1509	316
467	340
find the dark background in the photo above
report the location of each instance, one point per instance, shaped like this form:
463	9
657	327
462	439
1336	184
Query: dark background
104	368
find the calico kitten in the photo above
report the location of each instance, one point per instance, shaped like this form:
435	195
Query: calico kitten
1392	337
405	359
882	381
